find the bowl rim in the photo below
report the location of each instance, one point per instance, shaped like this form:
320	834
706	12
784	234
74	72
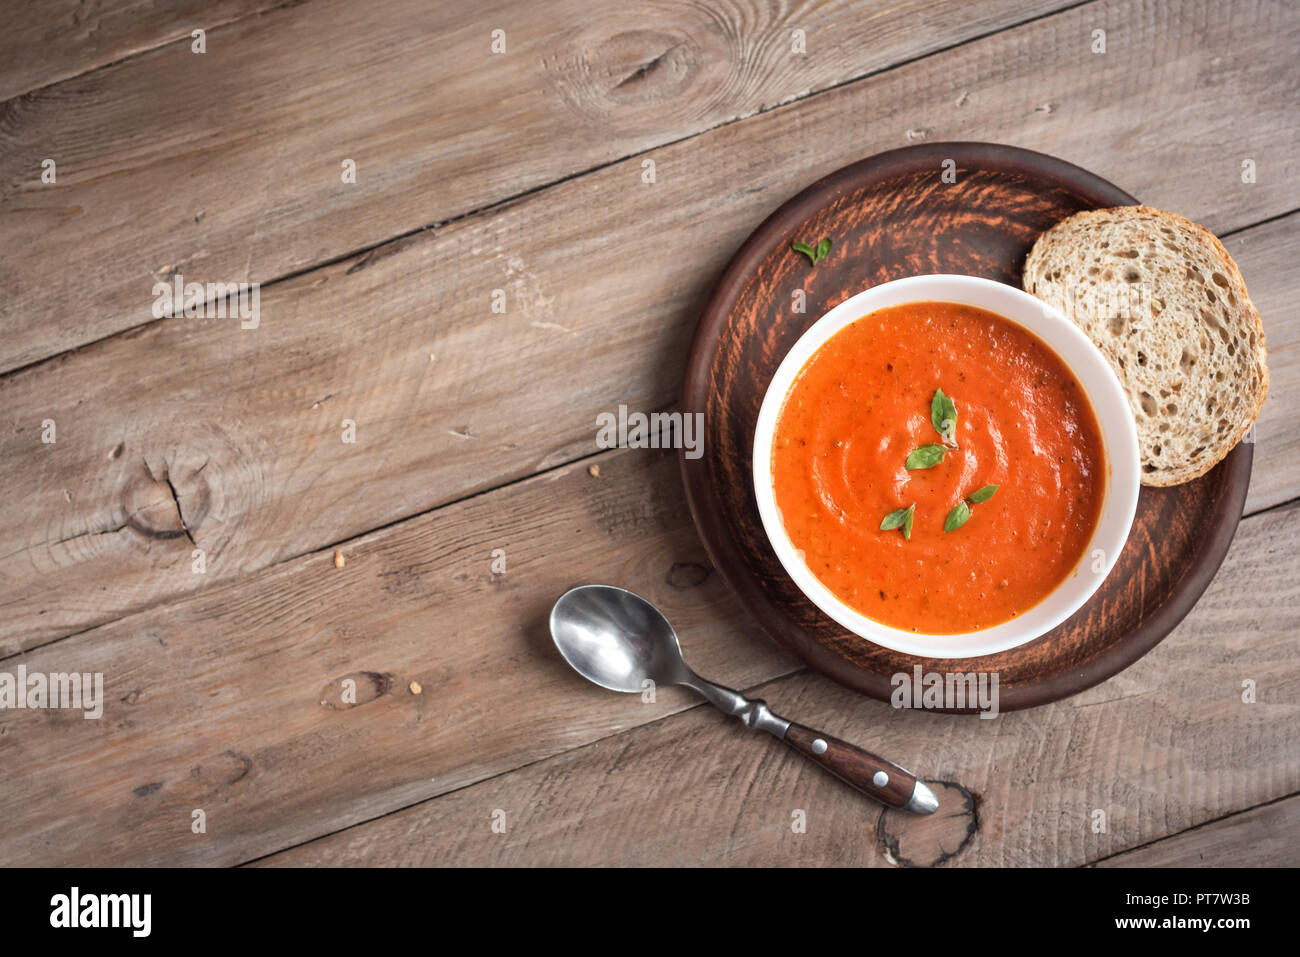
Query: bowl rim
1110	406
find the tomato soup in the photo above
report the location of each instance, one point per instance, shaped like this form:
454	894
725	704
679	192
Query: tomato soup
1006	478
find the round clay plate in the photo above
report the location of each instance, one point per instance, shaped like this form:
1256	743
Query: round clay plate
894	215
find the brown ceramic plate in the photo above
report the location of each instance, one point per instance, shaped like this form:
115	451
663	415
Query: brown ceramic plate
891	216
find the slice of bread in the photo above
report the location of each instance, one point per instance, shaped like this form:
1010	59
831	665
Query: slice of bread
1166	305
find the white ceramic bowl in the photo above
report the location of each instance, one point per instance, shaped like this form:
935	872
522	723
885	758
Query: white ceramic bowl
1114	417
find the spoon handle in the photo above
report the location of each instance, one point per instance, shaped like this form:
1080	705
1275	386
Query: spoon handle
869	773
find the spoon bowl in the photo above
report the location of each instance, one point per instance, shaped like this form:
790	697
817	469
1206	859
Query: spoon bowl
616	639
620	641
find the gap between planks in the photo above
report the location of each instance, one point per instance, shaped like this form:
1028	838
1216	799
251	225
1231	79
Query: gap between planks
267	720
127	52
747	691
1288	805
508	200
354	533
592	458
430	802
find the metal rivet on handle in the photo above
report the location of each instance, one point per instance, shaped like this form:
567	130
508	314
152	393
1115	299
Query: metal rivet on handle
880	779
819	746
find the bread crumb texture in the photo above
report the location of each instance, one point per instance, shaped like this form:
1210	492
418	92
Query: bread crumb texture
1167	307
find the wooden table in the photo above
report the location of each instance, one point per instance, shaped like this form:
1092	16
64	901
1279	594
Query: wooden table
503	269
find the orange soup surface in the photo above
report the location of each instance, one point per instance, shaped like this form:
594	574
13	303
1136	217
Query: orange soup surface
862	405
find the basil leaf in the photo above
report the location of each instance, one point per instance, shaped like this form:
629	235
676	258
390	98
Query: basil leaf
943	416
900	518
983	494
925	457
894	519
957	517
814	255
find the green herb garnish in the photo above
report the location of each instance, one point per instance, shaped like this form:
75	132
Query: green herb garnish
814	255
943	416
961	511
926	456
900	518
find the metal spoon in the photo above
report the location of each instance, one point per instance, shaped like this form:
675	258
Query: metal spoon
621	642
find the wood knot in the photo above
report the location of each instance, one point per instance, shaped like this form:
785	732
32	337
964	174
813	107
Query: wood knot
911	840
160	503
358	688
622	70
218	772
684	575
643	66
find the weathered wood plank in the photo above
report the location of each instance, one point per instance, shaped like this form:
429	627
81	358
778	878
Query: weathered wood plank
1267	836
230	702
45	41
1164	746
1270	250
239	176
247	424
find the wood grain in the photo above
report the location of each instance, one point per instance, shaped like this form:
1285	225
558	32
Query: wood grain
1267	836
51	40
1271	249
231	702
247	425
1164	746
240	177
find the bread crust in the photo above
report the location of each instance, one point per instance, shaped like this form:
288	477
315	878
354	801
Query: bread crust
1062	243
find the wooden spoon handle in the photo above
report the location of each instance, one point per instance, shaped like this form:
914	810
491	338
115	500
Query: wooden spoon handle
869	773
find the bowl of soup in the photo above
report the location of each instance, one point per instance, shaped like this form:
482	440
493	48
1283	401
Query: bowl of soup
946	466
